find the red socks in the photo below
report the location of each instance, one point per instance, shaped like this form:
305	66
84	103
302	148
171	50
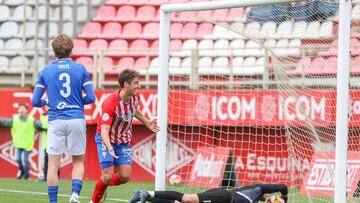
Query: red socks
99	190
115	180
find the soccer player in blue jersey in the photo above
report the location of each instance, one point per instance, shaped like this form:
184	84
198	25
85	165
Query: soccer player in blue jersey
64	80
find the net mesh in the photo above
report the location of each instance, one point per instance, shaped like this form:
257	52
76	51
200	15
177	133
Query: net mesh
253	98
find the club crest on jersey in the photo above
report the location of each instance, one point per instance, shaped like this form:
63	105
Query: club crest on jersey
105	117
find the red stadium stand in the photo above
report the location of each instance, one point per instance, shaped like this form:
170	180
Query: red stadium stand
204	29
220	15
145	13
316	66
117	47
125	13
111	30
175	30
105	13
91	30
87	62
151	31
139	47
98	44
131	30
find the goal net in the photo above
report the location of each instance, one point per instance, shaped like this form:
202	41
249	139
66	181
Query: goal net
252	99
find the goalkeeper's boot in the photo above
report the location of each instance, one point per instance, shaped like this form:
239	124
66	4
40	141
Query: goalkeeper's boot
103	198
144	196
74	198
135	197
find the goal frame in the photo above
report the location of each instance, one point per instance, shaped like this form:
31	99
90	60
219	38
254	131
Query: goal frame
342	99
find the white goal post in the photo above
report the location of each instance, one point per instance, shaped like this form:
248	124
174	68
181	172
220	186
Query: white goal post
342	104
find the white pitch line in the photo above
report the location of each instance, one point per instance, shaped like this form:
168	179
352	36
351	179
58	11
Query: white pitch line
61	195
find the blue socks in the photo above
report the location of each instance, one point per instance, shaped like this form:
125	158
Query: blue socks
52	193
76	186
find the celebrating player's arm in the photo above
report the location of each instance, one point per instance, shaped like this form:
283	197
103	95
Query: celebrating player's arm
150	124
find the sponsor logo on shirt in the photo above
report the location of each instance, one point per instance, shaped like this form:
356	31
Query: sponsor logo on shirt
63	105
105	117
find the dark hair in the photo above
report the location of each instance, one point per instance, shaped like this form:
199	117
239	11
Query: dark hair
62	46
23	104
127	75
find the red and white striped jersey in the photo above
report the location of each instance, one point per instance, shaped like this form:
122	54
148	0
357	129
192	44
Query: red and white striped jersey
119	116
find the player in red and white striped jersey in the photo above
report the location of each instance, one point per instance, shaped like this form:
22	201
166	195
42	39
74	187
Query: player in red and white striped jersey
114	133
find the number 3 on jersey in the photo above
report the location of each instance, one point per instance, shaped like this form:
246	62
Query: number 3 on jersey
65	77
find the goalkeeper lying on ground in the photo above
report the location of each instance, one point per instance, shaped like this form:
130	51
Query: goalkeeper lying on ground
248	194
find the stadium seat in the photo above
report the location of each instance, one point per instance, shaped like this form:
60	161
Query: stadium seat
219	32
252	30
80	46
174	66
175	30
326	30
270	44
107	65
131	30
91	30
331	65
249	61
237	47
312	30
18	64
29	31
40	65
294	47
117	47
281	47
299	30
220	15
125	13
68	28
205	65
316	66
188	16
302	65
111	30
14	2
154	66
141	65
67	14
221	47
205	47
19	12
151	31
186	48
185	66
237	63
238	32
4	13
204	29
105	14
117	2
126	62
332	51
30	47
82	14
253	49
284	30
355	65
145	14
42	12
205	14
12	47
355	14
53	30
4	63
156	2
236	14
9	29
87	62
98	45
154	48
268	30
1	44
221	66
175	45
189	30
139	47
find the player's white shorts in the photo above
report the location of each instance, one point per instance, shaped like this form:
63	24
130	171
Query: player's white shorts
69	135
